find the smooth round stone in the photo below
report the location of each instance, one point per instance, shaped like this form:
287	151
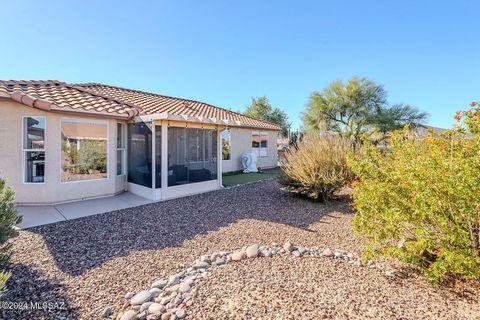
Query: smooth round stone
155	292
180	313
107	312
172	280
288	247
145	306
266	253
164	301
201	265
214	256
390	273
159	284
219	261
177	300
205	259
237	256
327	252
301	250
129	295
156	307
184	287
166	316
296	254
129	315
173	288
252	251
142	315
338	254
141	297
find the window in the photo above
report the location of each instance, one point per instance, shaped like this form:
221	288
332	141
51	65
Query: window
34	149
192	155
84	150
140	154
260	143
226	145
120	149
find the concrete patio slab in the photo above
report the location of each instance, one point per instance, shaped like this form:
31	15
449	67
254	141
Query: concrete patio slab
38	215
46	214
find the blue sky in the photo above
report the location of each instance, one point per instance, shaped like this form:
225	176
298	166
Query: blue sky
426	53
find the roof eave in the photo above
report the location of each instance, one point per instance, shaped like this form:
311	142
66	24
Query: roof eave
193	119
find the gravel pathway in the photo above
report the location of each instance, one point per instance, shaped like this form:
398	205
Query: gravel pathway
84	265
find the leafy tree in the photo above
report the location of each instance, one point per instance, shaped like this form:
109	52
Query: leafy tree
8	219
261	109
355	108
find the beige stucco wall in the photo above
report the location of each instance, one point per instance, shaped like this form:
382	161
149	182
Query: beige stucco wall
53	190
241	142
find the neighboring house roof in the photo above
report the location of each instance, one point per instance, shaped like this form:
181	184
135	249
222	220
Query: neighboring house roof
85	131
422	130
106	100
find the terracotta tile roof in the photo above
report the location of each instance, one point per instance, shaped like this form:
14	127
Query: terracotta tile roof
54	95
100	99
151	103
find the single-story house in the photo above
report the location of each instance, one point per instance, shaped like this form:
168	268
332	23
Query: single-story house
64	142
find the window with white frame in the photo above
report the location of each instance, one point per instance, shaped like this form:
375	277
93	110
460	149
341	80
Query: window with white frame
33	148
260	143
120	149
84	150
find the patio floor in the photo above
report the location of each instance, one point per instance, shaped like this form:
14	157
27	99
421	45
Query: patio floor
45	214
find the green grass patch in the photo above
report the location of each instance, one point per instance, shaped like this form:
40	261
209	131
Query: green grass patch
233	179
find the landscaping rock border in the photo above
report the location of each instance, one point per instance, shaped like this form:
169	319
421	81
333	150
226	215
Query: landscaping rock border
168	299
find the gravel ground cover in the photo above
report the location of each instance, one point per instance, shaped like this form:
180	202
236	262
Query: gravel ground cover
82	266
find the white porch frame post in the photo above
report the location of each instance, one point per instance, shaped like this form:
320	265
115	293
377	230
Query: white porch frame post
219	157
164	159
154	166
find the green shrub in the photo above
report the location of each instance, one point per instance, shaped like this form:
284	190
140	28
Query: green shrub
317	167
8	220
419	200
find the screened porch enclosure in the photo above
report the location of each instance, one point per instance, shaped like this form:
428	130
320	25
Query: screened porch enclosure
166	161
192	155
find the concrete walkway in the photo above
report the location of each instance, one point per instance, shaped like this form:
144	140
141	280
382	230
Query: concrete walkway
39	215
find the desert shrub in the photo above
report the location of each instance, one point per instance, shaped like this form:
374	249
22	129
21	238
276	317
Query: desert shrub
92	155
8	219
317	167
419	201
